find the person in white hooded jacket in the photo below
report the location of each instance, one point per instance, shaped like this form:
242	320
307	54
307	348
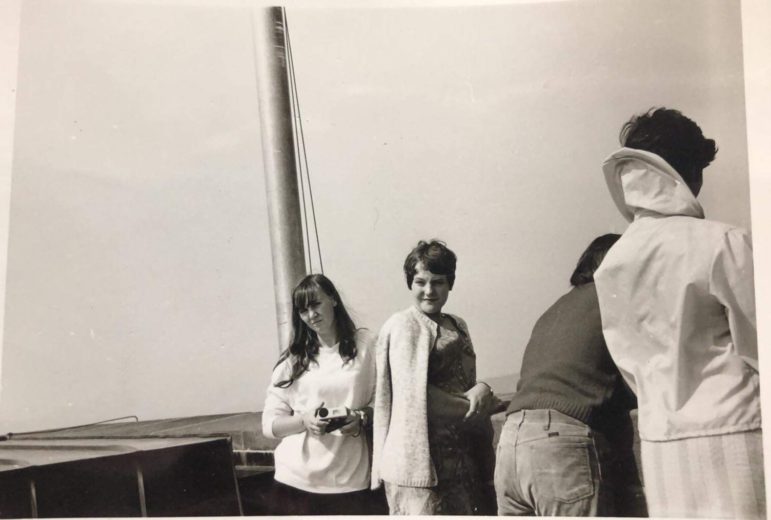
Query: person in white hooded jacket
678	311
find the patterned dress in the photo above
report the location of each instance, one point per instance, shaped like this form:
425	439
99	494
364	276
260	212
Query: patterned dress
462	457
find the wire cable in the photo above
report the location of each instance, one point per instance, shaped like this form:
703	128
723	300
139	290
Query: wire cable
301	141
9	435
297	140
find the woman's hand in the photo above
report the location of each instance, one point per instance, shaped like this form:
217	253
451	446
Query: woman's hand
352	424
313	424
298	422
481	401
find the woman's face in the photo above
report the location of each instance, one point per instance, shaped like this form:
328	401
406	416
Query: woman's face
430	290
319	315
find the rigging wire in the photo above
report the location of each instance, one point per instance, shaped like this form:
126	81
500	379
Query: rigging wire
295	109
300	143
299	139
307	237
10	435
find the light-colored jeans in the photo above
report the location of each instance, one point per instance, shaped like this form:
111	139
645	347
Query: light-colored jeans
548	465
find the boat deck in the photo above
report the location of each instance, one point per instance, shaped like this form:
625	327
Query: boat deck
251	453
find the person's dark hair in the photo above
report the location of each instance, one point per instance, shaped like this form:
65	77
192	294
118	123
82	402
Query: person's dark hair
591	258
435	257
304	344
673	137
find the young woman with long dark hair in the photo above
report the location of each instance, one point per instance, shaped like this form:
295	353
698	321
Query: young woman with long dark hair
322	465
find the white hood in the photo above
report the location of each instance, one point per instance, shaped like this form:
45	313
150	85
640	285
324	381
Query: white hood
642	182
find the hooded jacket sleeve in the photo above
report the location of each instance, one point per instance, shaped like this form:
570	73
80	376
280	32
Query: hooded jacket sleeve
732	283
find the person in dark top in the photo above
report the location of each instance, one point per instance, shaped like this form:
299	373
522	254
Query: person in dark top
554	454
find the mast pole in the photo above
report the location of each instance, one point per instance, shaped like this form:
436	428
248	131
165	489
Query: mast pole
278	152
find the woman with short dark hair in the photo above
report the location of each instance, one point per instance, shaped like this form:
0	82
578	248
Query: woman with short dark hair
432	434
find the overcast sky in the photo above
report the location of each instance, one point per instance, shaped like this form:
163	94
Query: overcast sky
139	278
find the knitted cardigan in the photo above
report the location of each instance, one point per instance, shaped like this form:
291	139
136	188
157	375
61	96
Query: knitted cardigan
401	452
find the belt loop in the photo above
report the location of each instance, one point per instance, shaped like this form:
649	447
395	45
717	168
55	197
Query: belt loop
548	420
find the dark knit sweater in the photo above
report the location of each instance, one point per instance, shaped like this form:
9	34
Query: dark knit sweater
567	367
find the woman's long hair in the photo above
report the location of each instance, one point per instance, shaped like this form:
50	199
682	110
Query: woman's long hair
304	344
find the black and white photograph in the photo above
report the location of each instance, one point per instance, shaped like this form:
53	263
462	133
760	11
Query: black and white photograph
479	258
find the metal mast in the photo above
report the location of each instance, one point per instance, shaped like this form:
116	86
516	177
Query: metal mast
278	152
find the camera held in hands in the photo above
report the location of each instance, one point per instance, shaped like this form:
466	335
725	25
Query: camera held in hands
336	417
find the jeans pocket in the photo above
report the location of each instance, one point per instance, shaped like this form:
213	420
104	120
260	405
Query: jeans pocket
562	468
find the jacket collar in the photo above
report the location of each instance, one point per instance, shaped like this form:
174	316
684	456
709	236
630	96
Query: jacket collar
642	183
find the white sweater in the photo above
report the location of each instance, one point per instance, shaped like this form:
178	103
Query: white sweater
329	463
